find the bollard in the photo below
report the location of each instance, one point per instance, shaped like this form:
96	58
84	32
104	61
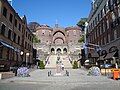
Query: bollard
67	73
48	74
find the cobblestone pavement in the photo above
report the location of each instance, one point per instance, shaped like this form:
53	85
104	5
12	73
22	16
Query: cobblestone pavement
78	80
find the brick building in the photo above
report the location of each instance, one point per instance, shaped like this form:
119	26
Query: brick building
15	38
103	30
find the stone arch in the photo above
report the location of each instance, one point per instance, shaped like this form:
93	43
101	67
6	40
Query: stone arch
58	38
52	50
65	50
58	50
57	32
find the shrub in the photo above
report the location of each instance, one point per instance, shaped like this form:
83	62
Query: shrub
75	65
41	65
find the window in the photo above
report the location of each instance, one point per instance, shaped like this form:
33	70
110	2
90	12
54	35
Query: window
15	23
104	40
19	27
107	8
18	39
100	29
9	34
25	45
5	12
11	18
1	50
74	32
97	31
118	1
107	24
95	21
43	32
30	38
108	38
101	13
98	17
14	37
115	2
49	33
3	29
103	26
115	34
104	9
28	46
26	34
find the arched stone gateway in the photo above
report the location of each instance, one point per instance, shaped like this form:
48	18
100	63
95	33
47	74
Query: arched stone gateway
58	41
65	50
58	51
59	31
52	50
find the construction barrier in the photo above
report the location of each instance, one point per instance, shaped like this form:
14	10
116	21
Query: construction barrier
116	74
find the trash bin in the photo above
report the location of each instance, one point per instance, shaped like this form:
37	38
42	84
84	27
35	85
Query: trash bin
115	74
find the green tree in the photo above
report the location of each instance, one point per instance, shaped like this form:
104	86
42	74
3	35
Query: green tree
75	65
41	65
35	39
81	39
81	23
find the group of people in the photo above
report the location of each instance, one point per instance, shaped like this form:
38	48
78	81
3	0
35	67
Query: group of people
23	71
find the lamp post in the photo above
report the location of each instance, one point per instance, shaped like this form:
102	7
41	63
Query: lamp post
21	53
27	57
85	39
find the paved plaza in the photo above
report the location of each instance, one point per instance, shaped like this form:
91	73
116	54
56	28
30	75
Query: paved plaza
78	80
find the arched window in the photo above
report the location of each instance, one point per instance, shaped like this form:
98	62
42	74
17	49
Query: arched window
52	49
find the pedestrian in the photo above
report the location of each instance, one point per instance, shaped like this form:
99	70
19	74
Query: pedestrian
62	66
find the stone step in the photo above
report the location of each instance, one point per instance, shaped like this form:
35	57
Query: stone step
52	61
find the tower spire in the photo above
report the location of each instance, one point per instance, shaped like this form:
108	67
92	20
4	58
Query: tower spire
56	23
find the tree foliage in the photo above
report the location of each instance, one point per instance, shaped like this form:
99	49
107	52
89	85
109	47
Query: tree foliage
35	39
81	23
75	65
41	65
81	39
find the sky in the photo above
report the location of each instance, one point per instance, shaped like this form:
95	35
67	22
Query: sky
65	12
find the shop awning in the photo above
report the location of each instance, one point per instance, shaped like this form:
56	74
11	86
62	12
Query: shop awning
5	44
110	55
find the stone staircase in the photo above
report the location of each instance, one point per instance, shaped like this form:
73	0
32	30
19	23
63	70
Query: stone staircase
51	63
65	61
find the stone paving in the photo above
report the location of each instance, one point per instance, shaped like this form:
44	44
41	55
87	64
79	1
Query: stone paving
78	80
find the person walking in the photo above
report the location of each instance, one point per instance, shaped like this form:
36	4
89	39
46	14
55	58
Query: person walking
62	66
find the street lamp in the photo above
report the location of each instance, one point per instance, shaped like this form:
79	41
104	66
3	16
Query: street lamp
21	53
27	57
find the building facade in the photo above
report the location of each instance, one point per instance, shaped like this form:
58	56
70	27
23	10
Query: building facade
103	30
57	40
15	38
